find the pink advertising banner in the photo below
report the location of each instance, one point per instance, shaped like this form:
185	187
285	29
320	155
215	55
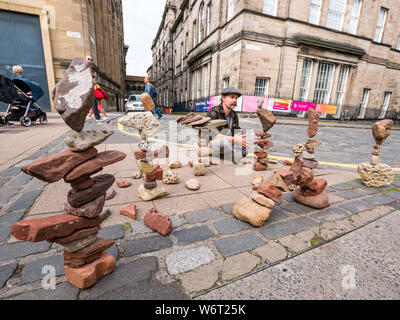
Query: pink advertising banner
250	103
213	101
303	106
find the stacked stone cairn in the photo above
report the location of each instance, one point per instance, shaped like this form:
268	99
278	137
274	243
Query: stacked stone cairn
374	173
148	126
85	259
268	120
308	190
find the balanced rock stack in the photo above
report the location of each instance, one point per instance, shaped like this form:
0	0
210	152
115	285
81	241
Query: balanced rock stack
309	191
76	229
374	173
268	120
148	126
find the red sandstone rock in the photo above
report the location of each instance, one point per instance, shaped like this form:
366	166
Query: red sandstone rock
314	188
122	183
79	186
101	184
304	178
190	164
110	194
156	166
77	235
265	142
140	155
102	160
179	119
296	167
313	120
270	191
318	202
77	262
308	163
53	168
158	222
259	166
155	175
263	135
149	185
89	210
129	211
99	246
287	176
261	154
86	276
57	226
287	163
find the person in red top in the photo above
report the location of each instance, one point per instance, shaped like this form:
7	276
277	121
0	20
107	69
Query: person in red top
100	95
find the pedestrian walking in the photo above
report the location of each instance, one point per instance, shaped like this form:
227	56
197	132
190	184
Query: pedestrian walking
152	91
100	95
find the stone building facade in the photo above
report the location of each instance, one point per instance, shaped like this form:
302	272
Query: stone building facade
76	28
338	52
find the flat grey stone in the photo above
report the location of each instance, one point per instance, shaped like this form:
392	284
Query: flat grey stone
342	186
379	200
296	208
331	214
393	194
147	290
113	251
33	270
176	221
7	221
6	272
22	249
231	225
6	195
194	234
147	244
25	201
189	259
113	232
356	206
370	190
63	291
233	245
277	215
123	275
20	180
202	215
10	172
351	194
227	208
139	227
276	230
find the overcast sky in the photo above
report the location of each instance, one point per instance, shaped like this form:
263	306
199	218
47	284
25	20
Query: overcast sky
141	22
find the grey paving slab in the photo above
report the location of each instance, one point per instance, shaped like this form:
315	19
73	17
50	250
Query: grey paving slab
64	291
38	154
20	180
231	225
22	249
227	208
370	190
10	172
3	180
378	200
23	163
113	251
112	232
296	208
188	259
146	290
6	272
395	205
25	201
202	215
147	244
393	194
35	184
6	194
194	234
351	194
288	197
295	225
277	214
236	244
7	221
176	221
356	206
342	186
395	183
331	214
34	271
123	275
356	183
139	227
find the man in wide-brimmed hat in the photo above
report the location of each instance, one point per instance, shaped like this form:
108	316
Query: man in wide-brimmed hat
225	143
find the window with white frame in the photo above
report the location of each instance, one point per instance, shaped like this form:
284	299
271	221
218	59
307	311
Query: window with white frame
323	84
231	9
380	25
202	22
269	7
355	16
193	85
335	14
305	79
182	56
225	83
206	71
315	11
194	33
209	7
341	87
398	42
199	82
364	103
187	43
385	104
262	87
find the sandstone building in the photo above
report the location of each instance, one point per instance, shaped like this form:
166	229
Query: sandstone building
45	35
338	52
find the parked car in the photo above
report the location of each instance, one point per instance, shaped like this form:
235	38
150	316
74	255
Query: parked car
134	104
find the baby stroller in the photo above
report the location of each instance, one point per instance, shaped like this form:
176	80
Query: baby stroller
22	106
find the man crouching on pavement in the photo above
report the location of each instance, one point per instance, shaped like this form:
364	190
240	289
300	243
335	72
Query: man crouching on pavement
226	144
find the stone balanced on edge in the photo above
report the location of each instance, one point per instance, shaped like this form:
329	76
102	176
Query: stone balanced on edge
85	261
374	173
